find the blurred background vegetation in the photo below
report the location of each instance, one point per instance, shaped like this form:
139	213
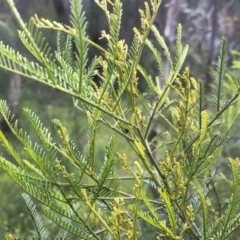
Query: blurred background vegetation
204	23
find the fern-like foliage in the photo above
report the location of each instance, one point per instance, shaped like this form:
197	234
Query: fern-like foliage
78	21
219	78
37	221
42	234
118	193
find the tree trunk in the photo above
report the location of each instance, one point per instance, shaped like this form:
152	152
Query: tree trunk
211	52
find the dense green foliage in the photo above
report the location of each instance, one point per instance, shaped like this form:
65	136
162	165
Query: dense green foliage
167	186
